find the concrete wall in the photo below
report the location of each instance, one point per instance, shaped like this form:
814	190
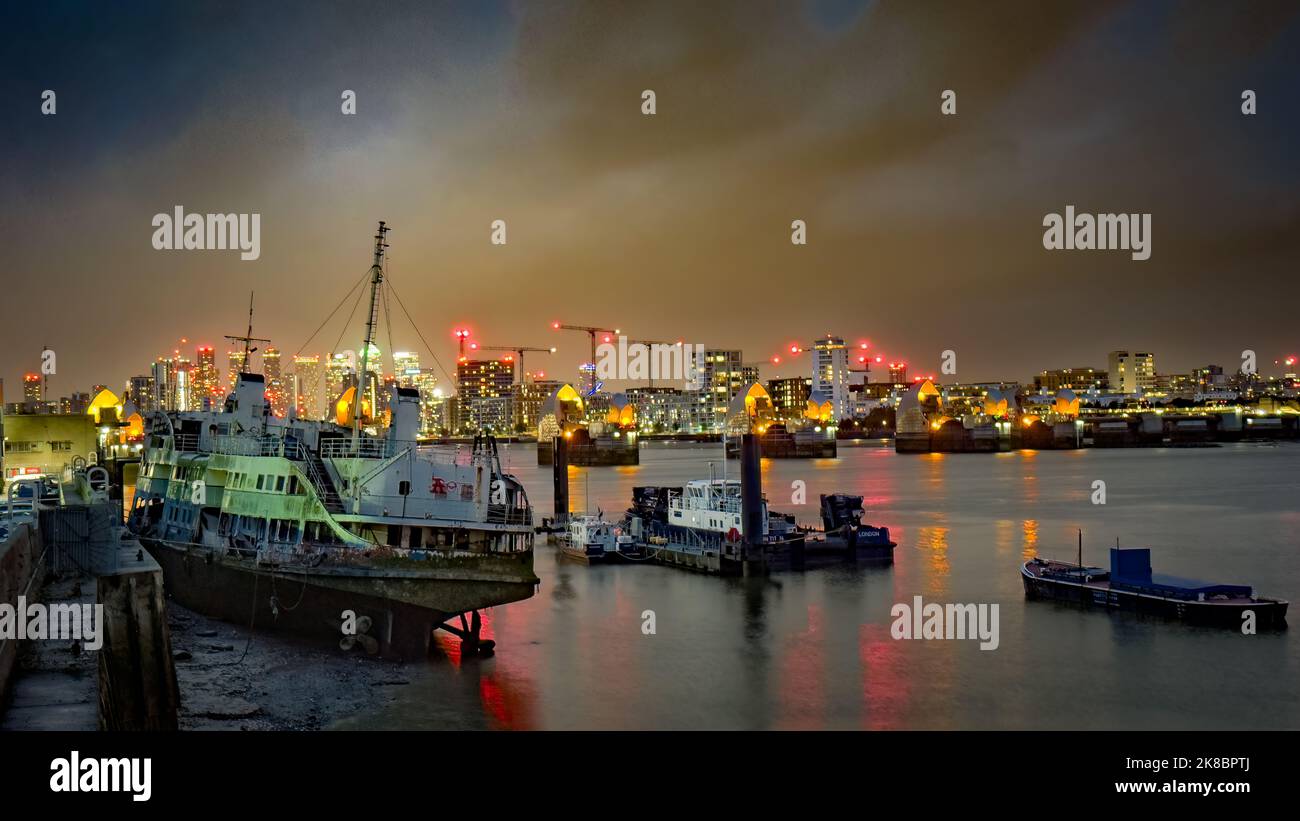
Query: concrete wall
20	557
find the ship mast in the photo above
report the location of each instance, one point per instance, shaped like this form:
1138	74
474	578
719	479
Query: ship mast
376	279
248	339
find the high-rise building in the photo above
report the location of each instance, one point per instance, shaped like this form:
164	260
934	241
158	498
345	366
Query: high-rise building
161	382
831	374
207	380
436	413
406	366
139	390
529	398
308	391
721	375
340	375
432	403
1132	372
32	388
790	396
898	373
481	387
183	374
666	410
235	361
277	389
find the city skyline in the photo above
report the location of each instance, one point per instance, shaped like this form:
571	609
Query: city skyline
924	232
220	381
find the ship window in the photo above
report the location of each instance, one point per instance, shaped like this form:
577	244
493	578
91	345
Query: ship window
404	488
293	485
279	484
260	479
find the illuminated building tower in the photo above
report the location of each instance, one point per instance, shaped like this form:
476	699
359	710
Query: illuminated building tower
184	396
1132	372
235	361
339	376
406	367
410	375
32	388
722	376
831	374
160	381
898	373
790	396
277	391
377	398
432	403
139	389
484	389
206	378
308	390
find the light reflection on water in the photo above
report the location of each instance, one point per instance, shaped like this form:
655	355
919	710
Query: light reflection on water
813	650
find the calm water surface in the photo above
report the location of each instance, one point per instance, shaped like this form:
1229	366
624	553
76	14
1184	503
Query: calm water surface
813	650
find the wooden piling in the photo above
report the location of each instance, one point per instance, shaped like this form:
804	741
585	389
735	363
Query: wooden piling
137	677
560	474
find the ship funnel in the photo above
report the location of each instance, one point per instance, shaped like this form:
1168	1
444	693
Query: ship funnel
250	397
405	424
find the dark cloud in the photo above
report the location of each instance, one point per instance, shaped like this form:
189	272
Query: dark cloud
925	231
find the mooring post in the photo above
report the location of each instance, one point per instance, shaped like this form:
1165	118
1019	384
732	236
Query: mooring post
560	471
137	678
751	504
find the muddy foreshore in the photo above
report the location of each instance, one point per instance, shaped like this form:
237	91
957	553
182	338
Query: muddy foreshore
226	681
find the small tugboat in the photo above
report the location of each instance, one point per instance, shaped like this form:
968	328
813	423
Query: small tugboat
700	526
1130	585
593	540
845	534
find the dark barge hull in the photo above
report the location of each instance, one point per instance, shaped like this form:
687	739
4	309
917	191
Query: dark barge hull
1269	614
837	546
585	556
603	557
311	603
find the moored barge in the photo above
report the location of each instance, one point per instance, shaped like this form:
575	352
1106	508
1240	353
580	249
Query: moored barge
1130	585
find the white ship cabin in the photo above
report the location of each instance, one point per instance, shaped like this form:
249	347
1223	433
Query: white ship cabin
387	488
711	505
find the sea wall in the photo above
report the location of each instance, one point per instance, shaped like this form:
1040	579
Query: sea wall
20	561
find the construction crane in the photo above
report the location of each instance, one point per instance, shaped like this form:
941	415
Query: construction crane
518	351
648	343
591	333
462	336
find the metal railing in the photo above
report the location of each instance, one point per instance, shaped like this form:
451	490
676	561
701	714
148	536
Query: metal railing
378	448
324	487
362	448
233	445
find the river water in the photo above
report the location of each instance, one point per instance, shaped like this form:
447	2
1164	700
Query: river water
813	650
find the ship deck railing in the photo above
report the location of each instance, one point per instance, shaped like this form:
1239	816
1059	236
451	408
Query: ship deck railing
383	448
248	445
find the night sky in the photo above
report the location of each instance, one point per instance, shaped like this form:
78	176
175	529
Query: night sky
924	231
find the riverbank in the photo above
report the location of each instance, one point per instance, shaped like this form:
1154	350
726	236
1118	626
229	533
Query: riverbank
226	682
